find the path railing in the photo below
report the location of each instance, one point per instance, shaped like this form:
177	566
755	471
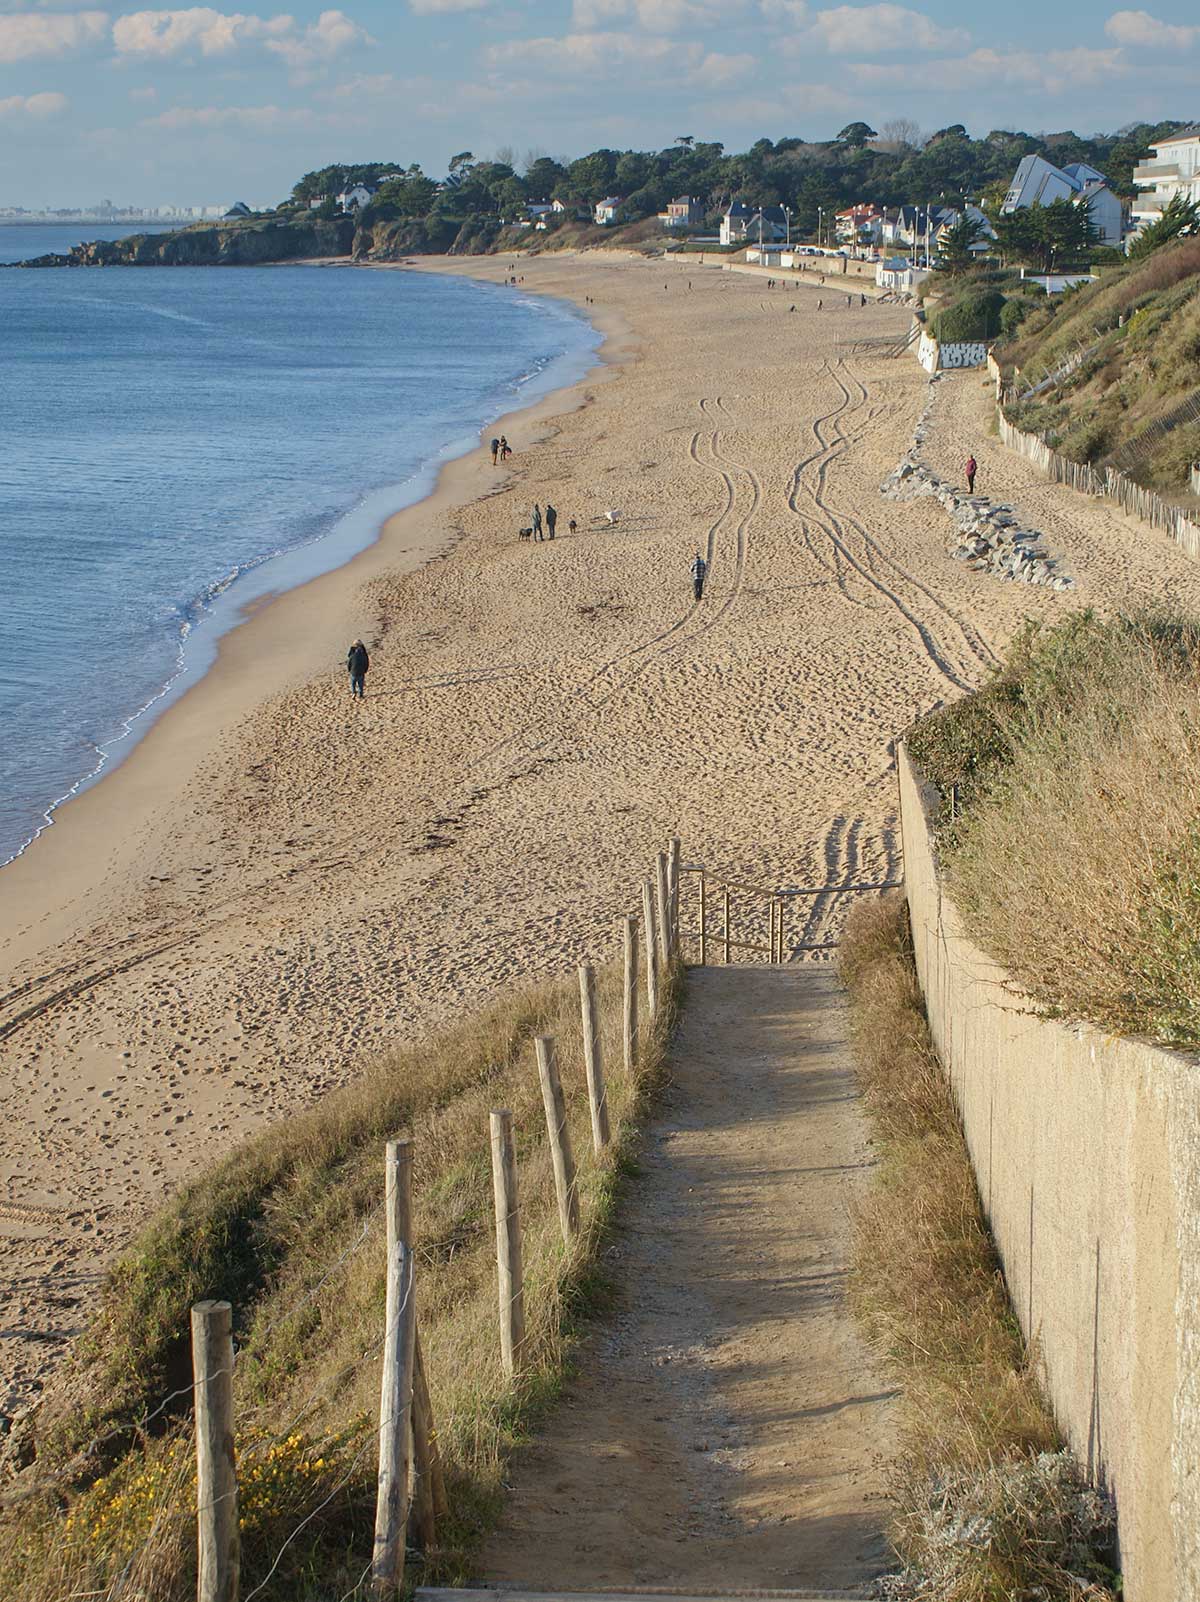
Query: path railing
717	930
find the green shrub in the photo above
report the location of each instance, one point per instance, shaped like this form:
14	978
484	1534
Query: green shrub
976	315
1012	314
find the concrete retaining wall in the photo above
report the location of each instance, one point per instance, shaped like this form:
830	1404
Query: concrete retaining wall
1087	1154
958	353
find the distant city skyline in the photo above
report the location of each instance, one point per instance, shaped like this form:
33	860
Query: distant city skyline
96	101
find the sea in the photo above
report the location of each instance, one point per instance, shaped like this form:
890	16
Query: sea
179	442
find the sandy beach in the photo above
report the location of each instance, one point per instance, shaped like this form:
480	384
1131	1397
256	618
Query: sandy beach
280	883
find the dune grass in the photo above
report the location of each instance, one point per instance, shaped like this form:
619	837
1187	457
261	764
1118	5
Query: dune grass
988	1505
289	1229
1071	834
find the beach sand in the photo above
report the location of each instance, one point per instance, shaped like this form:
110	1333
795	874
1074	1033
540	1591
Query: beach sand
280	883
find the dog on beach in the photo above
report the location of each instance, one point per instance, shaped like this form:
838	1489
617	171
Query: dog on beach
524	533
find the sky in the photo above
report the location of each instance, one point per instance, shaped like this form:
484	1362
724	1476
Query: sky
203	106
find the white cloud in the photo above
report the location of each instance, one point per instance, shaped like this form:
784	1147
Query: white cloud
46	104
225	117
425	8
205	31
847	29
1140	29
655	16
600	55
791	11
173	33
1052	72
366	85
328	36
28	34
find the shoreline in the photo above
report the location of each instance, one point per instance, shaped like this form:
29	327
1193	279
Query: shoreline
100	813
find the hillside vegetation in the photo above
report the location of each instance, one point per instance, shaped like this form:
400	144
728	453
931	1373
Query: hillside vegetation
289	1229
1124	354
1070	824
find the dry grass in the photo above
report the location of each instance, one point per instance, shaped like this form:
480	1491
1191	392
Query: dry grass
278	1229
987	1505
1075	854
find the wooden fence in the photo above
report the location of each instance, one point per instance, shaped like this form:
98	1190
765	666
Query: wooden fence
410	1486
723	906
1133	499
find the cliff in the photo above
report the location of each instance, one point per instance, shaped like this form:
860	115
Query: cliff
242	244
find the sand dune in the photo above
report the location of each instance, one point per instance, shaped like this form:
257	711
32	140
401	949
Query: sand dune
280	883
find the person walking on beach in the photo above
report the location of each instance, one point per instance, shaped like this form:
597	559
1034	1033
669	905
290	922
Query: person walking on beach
972	468
537	521
505	448
495	451
699	569
551	520
357	662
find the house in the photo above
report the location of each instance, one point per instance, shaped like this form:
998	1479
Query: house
558	208
606	210
238	209
859	225
943	218
355	197
742	223
1038	182
898	275
538	210
682	212
1173	169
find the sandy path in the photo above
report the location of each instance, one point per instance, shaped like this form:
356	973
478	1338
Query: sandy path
728	1429
297	885
1116	561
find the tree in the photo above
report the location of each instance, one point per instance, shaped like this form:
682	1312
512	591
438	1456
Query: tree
954	247
1180	219
901	133
856	134
1051	237
685	139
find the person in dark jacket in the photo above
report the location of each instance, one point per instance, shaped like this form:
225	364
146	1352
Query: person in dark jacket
699	570
357	662
551	519
971	469
537	521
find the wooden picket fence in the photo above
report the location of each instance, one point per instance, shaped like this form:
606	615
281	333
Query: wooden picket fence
410	1484
1133	498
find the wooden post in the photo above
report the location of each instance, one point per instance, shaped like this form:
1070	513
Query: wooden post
727	927
217	1537
664	912
673	881
651	948
703	930
629	1014
593	1060
396	1387
782	910
508	1243
429	1488
561	1155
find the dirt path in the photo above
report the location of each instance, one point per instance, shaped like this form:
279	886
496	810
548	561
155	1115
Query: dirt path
729	1427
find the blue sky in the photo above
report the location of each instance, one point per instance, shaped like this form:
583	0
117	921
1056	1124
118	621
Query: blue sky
203	105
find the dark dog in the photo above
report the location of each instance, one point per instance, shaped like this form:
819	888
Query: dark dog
524	533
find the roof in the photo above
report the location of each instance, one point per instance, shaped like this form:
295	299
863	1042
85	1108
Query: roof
1182	137
609	200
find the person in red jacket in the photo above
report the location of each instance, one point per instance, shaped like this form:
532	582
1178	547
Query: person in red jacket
972	469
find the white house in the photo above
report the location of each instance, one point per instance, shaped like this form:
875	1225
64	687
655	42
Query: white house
741	224
557	207
606	210
353	198
1038	182
1173	169
238	209
537	210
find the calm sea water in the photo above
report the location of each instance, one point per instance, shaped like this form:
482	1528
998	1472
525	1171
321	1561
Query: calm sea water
21	241
177	441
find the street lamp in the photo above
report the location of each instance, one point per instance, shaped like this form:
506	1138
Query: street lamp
820	227
787	212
